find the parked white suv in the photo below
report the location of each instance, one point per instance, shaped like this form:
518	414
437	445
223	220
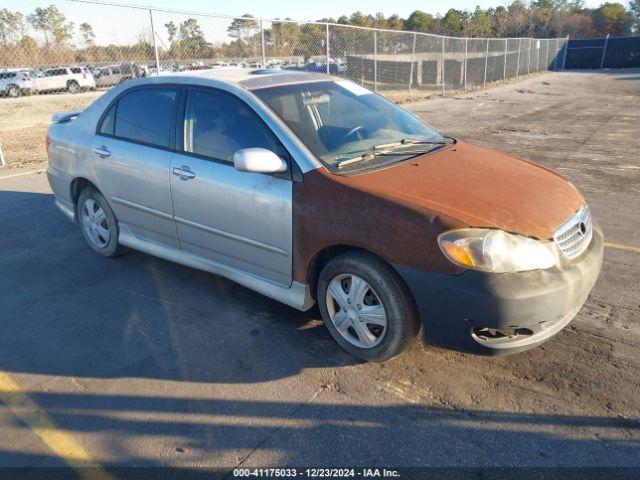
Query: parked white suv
71	79
14	84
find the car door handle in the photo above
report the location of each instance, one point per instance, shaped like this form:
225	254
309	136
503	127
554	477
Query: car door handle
183	172
103	151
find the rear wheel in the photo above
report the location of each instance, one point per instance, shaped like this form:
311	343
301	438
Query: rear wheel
366	307
13	91
73	87
98	223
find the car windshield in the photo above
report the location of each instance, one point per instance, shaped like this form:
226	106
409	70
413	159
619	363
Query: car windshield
341	122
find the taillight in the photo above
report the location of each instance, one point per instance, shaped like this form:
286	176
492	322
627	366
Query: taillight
25	79
47	142
84	75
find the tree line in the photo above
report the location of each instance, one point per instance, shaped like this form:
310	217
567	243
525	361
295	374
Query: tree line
539	19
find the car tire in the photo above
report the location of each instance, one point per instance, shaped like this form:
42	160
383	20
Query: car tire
14	91
73	87
98	223
366	306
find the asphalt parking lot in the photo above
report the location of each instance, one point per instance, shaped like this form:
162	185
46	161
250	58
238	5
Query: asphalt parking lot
137	361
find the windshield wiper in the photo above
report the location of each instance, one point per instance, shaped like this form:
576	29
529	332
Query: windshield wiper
413	141
384	149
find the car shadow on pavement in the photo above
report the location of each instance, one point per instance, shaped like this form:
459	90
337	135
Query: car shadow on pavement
68	311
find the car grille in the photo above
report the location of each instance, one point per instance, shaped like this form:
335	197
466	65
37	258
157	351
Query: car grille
574	236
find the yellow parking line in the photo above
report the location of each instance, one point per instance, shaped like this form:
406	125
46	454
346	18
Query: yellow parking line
619	246
58	440
24	173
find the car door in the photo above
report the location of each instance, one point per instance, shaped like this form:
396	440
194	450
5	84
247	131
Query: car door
240	219
45	81
58	79
131	154
114	76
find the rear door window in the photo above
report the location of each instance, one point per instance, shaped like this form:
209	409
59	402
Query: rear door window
144	116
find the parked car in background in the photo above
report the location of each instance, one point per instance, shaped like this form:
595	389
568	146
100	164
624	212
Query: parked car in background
308	188
15	84
71	79
109	76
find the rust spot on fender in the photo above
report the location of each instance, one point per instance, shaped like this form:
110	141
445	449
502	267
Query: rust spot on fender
398	212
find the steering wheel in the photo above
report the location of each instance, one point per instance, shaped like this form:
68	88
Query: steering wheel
351	133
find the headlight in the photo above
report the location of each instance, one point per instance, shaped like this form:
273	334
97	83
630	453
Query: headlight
496	251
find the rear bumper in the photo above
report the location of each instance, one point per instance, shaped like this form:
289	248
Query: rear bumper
531	306
60	183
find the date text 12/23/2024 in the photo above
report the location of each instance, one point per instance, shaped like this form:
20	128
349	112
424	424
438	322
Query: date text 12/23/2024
316	472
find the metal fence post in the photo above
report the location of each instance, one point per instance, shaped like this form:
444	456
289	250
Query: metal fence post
555	58
566	51
466	48
262	45
604	51
486	59
442	69
375	60
529	61
328	50
2	161
155	47
504	72
518	64
546	55
413	58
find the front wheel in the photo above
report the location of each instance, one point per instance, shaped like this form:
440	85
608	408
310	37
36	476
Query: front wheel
98	223
366	306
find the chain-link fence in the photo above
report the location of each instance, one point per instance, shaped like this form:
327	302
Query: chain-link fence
608	52
83	47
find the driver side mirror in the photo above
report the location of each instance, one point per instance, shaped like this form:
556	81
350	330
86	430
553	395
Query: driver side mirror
258	160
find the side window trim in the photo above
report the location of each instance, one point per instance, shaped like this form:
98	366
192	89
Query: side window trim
173	117
179	130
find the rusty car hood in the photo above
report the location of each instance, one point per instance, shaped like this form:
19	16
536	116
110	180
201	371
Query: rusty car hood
479	187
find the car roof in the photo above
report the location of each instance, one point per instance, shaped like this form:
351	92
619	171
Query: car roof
253	78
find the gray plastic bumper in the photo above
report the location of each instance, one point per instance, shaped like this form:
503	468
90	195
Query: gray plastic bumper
533	306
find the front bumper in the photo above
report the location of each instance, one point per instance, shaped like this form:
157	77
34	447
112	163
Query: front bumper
457	310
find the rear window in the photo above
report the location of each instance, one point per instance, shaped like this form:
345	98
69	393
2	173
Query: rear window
142	116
